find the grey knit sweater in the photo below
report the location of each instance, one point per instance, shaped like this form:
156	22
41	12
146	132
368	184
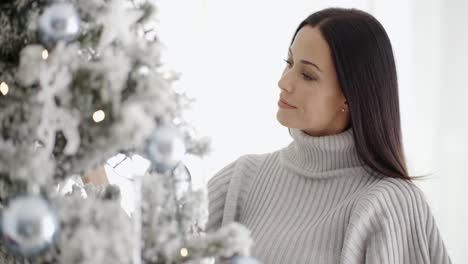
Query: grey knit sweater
314	201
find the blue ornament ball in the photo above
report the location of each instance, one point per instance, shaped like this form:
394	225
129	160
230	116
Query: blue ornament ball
243	260
28	225
165	148
59	22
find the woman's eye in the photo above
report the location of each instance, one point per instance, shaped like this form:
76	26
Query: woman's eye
307	77
304	75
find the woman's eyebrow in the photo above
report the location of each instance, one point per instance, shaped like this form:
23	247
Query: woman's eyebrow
306	62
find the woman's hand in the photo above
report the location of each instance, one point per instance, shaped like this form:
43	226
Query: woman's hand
97	177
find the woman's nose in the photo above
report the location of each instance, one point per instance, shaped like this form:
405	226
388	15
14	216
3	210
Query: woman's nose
285	82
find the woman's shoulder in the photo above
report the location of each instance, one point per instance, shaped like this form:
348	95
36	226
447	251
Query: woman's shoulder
395	197
251	161
242	165
400	189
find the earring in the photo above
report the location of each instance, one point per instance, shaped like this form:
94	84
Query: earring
342	109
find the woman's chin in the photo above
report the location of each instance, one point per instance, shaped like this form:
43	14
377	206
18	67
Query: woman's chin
282	119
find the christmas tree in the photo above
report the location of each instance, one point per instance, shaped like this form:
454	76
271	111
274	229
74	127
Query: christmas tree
81	81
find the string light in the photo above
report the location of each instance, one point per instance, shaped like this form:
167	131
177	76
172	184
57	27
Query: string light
170	75
45	54
184	252
144	70
4	88
167	75
99	116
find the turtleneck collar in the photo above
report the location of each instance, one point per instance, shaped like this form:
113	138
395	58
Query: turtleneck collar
321	156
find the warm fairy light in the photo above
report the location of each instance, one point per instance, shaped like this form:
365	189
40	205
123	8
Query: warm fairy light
4	88
184	252
45	54
167	75
144	70
98	116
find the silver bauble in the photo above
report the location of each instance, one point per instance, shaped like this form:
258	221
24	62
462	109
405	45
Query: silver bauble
165	148
28	225
243	260
59	22
182	182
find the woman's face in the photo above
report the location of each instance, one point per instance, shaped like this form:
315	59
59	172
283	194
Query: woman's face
309	83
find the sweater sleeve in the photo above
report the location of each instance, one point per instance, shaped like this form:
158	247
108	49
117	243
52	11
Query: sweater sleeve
217	189
228	189
393	223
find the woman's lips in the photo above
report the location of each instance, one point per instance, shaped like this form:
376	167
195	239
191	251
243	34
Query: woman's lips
285	105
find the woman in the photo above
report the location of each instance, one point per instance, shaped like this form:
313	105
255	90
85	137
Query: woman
340	192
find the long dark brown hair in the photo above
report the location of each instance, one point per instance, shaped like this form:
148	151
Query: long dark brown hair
366	71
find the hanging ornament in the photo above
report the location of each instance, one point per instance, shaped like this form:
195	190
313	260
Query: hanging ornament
28	225
59	22
243	260
182	182
165	148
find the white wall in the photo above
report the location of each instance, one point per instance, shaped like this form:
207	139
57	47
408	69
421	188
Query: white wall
230	54
453	151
